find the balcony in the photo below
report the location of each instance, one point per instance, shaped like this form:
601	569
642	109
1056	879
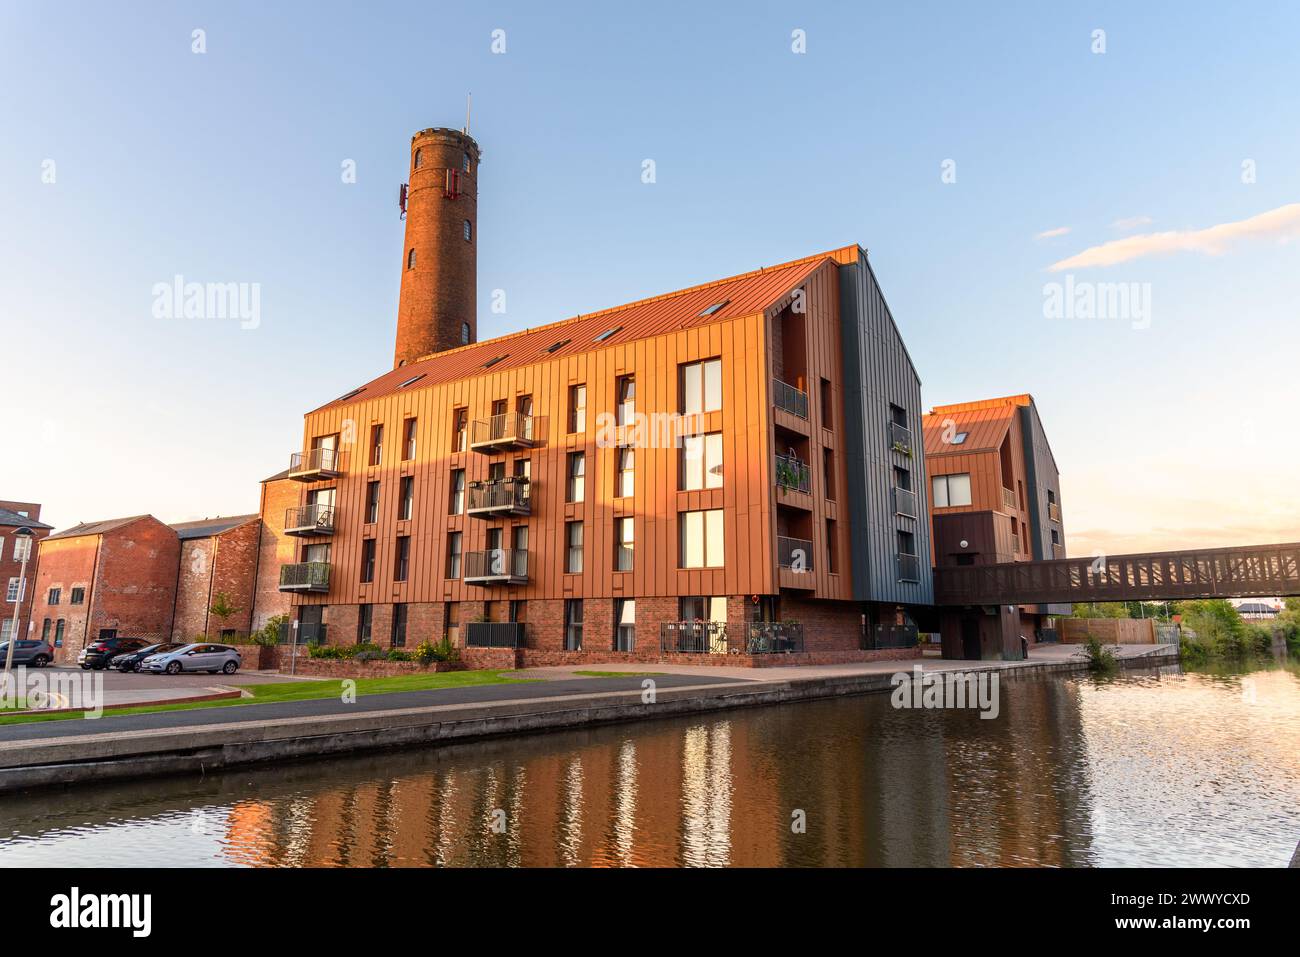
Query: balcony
1015	544
905	502
796	554
494	634
909	568
306	520
789	399
507	496
900	439
793	475
315	465
501	433
1054	512
496	566
1008	499
305	577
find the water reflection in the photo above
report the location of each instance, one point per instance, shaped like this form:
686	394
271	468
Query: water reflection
1156	768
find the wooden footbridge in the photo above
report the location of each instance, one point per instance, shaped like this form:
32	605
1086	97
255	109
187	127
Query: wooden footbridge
1242	572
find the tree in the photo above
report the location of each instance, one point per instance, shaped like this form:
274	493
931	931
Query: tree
223	609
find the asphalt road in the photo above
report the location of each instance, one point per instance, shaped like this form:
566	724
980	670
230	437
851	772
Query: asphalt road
116	681
333	706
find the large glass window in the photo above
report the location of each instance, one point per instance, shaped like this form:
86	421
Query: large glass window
625	400
453	555
399	624
624	624
457	504
623	542
573	624
701	539
577	477
402	560
700	384
577	408
950	490
368	560
700	461
573	541
624	479
406	502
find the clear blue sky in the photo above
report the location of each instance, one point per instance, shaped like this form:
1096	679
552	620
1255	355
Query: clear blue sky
225	167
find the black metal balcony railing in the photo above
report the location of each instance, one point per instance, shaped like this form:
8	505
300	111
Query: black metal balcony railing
905	502
506	496
309	520
314	464
792	474
788	398
496	565
892	636
909	568
775	637
1054	512
305	576
795	554
498	433
494	634
693	637
900	438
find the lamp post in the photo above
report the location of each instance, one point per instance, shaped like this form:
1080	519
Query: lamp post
20	534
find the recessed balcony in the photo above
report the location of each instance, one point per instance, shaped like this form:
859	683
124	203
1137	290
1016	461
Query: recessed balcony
506	496
496	566
304	520
305	577
793	475
314	465
900	439
904	502
502	433
1054	512
790	399
909	568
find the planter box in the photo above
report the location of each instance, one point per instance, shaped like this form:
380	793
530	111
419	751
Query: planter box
380	668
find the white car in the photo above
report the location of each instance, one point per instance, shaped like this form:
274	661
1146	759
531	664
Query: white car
195	657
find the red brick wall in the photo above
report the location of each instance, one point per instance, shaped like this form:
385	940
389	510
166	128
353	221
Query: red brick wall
9	568
64	563
273	550
223	563
193	588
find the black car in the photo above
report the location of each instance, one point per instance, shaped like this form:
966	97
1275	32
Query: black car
130	660
101	651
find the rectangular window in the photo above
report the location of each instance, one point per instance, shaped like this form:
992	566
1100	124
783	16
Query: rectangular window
408	441
702	608
406	501
624	624
45	630
828	473
56	594
377	444
78	596
401	565
368	560
372	502
453	555
399	624
573	624
457	504
832	547
577	408
365	615
701	539
459	429
624	479
577	477
625	400
700	461
451	622
573	553
518	611
1056	537
700	387
828	412
624	536
22	547
950	490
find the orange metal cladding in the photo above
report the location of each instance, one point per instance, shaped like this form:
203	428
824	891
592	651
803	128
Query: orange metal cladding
657	336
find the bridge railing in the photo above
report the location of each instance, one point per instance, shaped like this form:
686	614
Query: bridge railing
1249	571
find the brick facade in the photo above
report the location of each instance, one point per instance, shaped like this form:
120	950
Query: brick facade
274	549
223	563
14	515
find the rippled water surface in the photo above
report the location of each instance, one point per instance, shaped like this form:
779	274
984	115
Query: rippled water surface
1158	768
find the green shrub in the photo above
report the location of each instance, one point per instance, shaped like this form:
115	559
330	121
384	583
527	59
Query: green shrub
1099	657
427	652
397	654
269	636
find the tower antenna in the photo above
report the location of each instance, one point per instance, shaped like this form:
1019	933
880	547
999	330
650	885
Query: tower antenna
469	99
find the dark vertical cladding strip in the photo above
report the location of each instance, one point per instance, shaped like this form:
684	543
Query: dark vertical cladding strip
1037	520
877	372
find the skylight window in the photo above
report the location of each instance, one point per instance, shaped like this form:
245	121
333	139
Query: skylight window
558	346
414	378
714	308
350	394
607	333
959	438
491	362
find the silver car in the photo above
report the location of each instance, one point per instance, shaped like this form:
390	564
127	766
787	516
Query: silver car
195	657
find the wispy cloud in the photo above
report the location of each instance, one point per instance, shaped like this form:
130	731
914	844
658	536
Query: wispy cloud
1052	233
1281	223
1131	222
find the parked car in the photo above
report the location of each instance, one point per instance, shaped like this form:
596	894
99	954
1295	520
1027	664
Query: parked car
101	651
38	654
194	657
130	661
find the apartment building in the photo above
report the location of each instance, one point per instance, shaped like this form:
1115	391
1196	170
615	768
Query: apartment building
13	516
995	495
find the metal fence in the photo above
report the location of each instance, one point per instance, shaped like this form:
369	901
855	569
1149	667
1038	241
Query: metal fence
719	638
308	576
314	460
317	518
506	428
909	568
892	636
506	493
794	553
494	634
775	637
905	502
496	563
693	637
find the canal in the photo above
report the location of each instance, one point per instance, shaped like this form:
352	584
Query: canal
1158	767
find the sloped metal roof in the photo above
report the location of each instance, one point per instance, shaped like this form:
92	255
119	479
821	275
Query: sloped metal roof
985	423
96	528
207	527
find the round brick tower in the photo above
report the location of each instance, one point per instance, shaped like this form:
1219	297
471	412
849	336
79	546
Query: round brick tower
436	309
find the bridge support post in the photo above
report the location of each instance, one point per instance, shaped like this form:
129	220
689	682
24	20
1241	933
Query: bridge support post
981	633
